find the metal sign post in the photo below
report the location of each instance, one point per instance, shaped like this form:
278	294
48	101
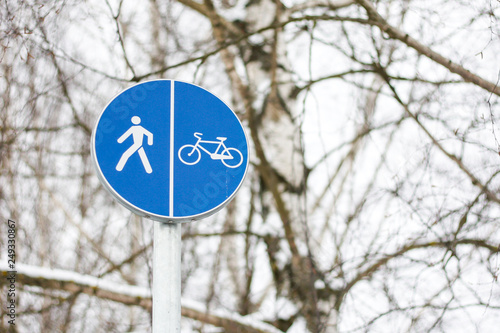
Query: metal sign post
167	278
172	152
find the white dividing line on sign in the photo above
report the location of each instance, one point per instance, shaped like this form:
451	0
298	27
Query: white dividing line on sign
171	194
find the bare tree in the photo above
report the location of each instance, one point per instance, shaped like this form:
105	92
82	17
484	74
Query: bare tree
372	203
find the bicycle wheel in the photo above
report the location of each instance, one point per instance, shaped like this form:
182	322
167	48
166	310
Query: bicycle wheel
189	154
233	162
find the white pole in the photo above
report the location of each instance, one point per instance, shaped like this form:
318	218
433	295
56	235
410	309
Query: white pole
167	278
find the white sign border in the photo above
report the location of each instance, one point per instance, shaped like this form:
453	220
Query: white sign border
143	212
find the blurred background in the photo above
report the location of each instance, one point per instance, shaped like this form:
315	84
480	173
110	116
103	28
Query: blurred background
372	203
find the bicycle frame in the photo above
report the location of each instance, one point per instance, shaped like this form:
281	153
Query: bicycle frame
230	157
200	141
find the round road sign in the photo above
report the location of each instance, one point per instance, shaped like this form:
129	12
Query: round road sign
170	151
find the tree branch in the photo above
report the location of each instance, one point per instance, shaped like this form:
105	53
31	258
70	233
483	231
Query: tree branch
475	180
478	243
73	282
422	49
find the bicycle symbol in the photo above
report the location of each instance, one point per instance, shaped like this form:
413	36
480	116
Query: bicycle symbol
191	154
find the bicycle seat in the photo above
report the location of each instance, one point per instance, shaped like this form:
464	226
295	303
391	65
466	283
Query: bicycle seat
221	139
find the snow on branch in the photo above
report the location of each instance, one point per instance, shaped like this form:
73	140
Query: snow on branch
73	282
332	4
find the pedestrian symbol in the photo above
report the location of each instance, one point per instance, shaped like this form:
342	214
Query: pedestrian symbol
137	133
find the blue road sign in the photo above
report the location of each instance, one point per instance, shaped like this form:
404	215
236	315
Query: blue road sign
170	151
